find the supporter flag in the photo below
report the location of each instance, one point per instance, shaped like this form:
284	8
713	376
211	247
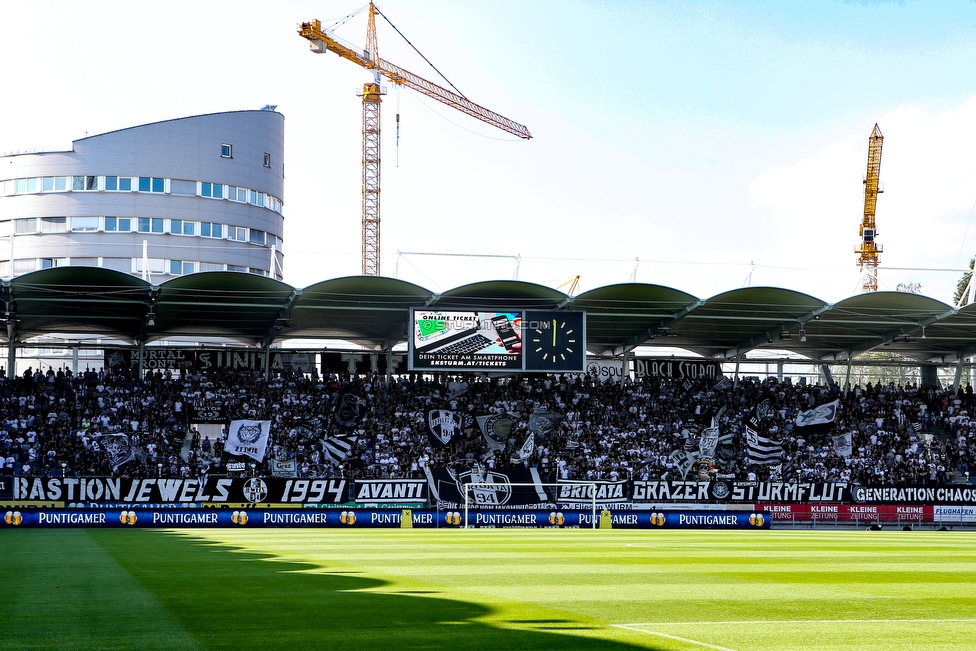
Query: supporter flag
542	423
456	389
843	446
683	461
248	438
336	448
708	442
762	450
368	456
723	384
351	409
284	468
817	420
442	426
525	452
117	448
496	429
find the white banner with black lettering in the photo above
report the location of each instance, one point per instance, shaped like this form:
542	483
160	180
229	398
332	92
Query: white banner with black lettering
248	438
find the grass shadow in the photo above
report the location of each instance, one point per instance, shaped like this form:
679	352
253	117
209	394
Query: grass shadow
226	598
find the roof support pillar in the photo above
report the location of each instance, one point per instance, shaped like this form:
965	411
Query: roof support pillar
74	360
735	381
958	378
267	360
142	357
825	371
779	371
11	355
623	368
847	380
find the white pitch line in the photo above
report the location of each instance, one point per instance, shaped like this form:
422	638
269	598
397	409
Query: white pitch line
800	621
675	637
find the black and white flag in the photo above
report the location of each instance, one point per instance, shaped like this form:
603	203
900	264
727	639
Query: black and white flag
336	448
817	420
525	452
117	448
683	461
351	409
542	423
762	450
456	389
496	429
442	425
248	438
843	444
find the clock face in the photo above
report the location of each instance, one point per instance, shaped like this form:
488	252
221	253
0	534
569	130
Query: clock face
554	341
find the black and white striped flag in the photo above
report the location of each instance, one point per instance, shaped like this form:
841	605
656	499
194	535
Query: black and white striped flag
336	448
761	450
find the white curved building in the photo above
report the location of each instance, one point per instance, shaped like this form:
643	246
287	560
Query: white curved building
204	193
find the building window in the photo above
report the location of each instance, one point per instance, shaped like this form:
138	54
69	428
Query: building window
226	151
81	224
260	272
211	230
125	184
147	225
180	267
111	183
25	265
211	266
26	185
24	226
144	183
215	190
91	182
47	263
181	227
234	267
267	159
57	224
237	233
120	224
257	237
158	185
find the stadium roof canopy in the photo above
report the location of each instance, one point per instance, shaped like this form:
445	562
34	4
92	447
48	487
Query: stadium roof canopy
374	312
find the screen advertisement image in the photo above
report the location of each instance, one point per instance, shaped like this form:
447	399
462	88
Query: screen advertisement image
465	340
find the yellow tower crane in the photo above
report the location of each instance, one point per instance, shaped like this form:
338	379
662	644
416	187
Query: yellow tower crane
323	40
868	251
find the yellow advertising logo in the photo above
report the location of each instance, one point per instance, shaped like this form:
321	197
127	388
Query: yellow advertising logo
658	519
347	517
453	517
239	517
557	518
757	519
128	517
13	518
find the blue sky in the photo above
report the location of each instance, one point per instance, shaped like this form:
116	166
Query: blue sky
702	144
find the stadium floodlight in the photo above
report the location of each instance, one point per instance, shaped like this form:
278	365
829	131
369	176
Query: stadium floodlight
496	485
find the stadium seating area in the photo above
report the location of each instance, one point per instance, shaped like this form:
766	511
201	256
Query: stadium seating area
901	435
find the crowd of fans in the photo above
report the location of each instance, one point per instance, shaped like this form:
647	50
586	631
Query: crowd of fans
52	423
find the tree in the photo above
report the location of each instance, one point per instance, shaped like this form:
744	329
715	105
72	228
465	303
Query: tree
961	296
909	288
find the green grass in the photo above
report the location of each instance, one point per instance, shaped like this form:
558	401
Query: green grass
495	590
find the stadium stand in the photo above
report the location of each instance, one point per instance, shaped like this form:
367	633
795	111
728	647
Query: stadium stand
52	423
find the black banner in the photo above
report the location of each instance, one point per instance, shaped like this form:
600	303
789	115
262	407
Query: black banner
166	358
363	362
206	414
272	490
491	487
676	368
6	487
739	491
389	491
607	492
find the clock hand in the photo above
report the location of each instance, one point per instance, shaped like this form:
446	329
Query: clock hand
553	332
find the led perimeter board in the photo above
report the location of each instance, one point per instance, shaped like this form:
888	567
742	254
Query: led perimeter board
469	340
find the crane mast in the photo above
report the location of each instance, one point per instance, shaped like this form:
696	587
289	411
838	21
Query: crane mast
324	40
868	251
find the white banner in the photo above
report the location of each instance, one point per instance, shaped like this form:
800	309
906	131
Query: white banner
248	438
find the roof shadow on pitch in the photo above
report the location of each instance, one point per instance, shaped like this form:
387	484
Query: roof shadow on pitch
228	598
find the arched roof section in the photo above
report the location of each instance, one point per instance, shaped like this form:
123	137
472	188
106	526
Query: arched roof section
372	311
88	300
218	304
499	294
622	316
890	320
740	320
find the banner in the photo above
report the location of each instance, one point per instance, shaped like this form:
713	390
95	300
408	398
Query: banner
183	491
442	426
361	362
372	518
542	423
691	369
941	494
817	420
390	490
607	492
496	429
847	513
494	485
207	414
117	449
248	438
739	491
604	370
842	444
171	358
285	468
351	408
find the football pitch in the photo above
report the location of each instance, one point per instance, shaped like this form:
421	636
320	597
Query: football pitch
490	589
